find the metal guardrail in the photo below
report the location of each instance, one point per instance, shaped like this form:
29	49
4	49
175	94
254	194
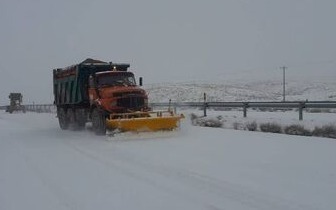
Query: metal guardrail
41	108
299	105
46	108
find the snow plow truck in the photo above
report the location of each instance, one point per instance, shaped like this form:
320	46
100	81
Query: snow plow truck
105	94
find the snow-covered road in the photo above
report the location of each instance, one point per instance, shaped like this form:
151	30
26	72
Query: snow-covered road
42	167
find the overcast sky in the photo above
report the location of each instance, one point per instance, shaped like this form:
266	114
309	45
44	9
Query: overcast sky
165	41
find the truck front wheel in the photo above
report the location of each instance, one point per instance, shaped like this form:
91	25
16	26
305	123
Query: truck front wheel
98	122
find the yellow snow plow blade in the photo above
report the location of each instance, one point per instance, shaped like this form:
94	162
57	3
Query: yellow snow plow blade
144	121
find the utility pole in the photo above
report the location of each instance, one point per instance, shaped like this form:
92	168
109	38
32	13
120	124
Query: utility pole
284	82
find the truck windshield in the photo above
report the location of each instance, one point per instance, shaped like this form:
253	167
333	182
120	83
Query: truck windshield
115	80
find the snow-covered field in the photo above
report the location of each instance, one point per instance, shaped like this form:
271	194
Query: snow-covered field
259	90
42	167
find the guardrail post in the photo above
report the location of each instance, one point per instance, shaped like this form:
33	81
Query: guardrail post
245	109
204	105
301	106
169	105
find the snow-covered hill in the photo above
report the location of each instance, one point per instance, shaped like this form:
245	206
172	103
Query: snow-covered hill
241	91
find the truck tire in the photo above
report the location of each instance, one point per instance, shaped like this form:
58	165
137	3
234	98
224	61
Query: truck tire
72	120
62	118
81	118
98	122
77	119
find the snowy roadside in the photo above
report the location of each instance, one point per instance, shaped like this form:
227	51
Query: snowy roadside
235	120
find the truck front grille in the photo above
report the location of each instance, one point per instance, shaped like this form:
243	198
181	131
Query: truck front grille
133	102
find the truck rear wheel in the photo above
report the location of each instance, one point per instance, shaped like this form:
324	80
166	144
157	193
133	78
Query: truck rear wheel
81	118
62	118
98	122
72	120
77	119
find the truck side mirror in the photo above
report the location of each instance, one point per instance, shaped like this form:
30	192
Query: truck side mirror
140	81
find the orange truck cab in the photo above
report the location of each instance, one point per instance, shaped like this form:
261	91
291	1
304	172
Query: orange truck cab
117	92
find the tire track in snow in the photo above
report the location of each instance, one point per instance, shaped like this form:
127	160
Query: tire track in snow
139	175
220	188
60	195
184	181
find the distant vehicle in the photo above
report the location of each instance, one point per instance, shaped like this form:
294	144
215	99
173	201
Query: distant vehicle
15	103
107	95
